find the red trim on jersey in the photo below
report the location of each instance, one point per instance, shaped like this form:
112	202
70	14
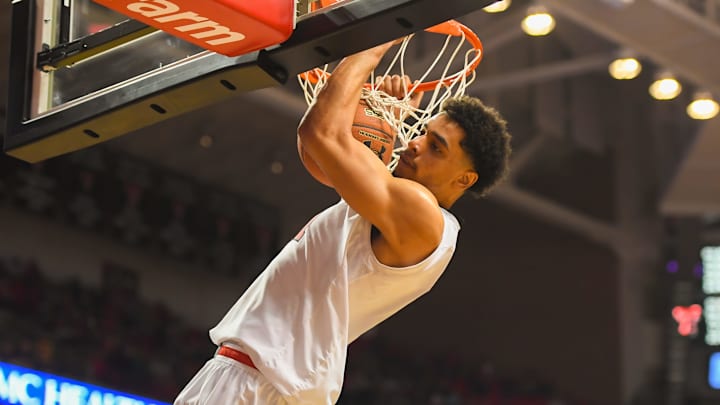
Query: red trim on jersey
236	355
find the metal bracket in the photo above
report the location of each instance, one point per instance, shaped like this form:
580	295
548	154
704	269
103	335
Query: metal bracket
83	48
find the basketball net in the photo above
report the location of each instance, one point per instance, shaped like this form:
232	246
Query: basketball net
406	120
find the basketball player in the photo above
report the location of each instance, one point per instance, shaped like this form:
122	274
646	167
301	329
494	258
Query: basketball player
358	262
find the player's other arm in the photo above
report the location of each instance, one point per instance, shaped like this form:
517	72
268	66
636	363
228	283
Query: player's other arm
405	212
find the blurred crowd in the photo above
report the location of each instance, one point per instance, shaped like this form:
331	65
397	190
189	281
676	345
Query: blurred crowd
133	203
105	336
108	336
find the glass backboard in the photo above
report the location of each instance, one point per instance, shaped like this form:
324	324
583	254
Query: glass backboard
82	74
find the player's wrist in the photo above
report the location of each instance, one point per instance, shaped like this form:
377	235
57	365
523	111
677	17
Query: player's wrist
375	53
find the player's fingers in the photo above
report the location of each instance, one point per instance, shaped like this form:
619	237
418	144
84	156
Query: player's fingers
394	85
406	85
399	84
387	85
416	96
380	82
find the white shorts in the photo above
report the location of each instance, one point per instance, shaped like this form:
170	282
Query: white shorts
224	381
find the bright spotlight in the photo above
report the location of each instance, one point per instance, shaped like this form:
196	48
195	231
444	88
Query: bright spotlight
665	87
498	6
703	107
538	22
625	68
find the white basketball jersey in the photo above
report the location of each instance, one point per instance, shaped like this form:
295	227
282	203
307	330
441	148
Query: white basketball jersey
322	291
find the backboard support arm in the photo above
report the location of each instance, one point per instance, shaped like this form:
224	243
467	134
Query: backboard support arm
68	53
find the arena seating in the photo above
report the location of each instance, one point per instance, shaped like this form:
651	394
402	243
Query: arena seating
111	337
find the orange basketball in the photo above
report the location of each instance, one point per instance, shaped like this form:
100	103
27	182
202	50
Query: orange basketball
369	128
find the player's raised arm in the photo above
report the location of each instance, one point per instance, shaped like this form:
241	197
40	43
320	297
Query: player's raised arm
406	212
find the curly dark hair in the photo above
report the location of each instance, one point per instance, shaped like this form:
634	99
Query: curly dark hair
487	140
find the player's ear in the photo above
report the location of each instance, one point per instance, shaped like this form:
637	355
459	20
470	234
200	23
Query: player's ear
467	178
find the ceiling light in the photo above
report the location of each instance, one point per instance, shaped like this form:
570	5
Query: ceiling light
277	167
538	22
625	68
703	107
206	141
665	87
498	6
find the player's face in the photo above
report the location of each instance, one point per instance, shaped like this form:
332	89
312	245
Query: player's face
435	159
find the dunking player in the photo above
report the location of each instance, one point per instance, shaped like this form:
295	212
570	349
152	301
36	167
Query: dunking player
358	262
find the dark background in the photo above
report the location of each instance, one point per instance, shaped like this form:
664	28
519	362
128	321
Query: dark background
560	275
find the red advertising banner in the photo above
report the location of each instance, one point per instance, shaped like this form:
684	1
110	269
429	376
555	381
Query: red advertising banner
228	27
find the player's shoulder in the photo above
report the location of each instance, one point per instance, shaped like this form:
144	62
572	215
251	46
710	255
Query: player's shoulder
416	195
415	226
417	208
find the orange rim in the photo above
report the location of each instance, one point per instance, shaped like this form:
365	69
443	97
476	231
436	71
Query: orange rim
450	27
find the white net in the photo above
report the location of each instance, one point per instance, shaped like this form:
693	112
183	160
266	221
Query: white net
407	120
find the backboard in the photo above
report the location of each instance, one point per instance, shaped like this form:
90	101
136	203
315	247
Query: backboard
81	74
